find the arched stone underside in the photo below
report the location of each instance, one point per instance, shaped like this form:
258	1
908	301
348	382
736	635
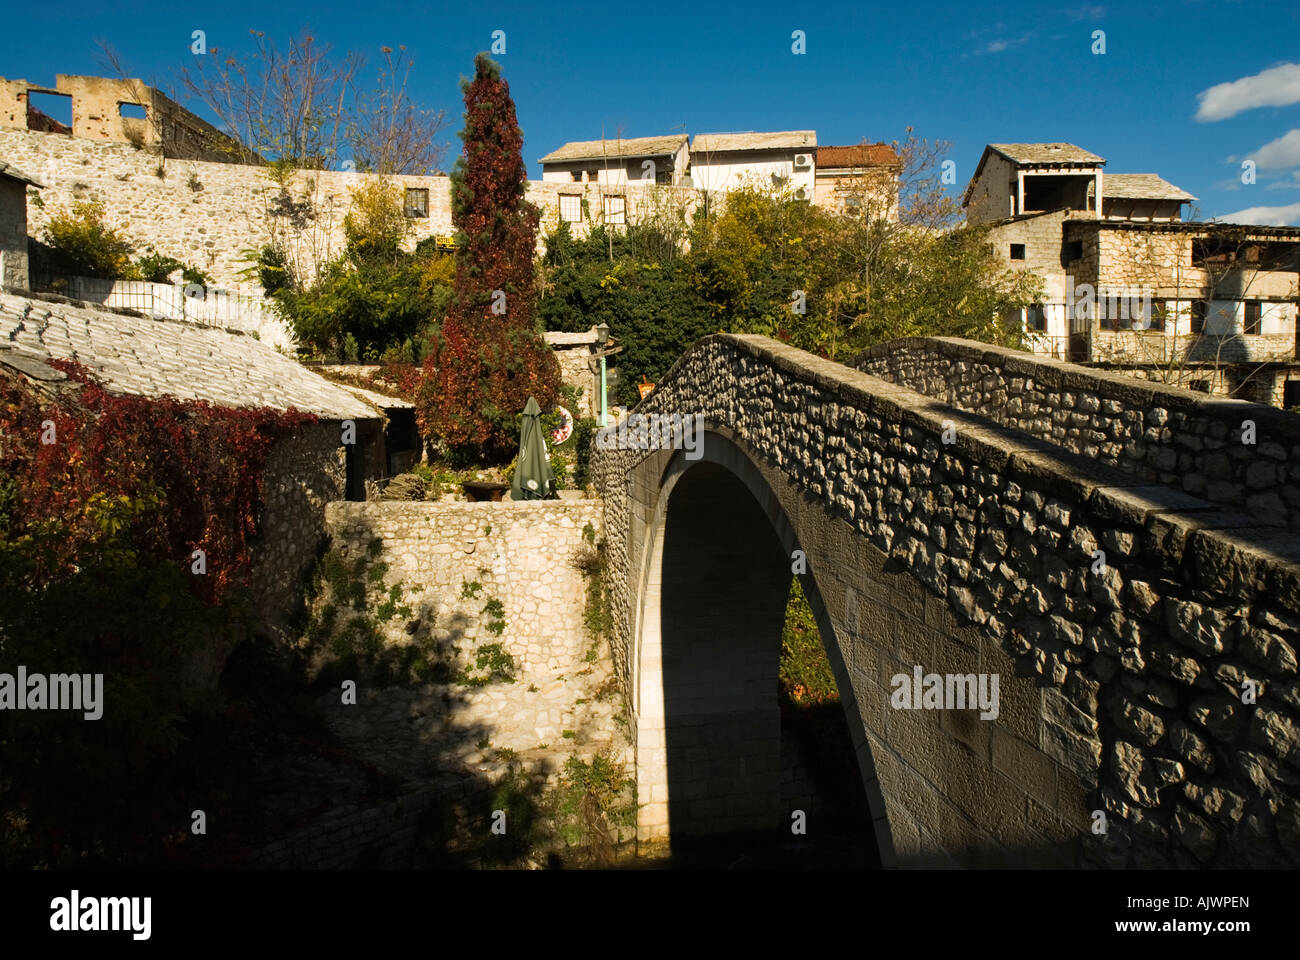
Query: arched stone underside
937	539
713	598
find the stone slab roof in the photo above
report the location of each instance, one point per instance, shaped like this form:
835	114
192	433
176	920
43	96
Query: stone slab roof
557	339
134	354
781	140
381	400
13	173
860	155
1141	186
1039	153
616	149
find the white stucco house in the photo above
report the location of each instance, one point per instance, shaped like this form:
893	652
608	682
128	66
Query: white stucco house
616	161
722	161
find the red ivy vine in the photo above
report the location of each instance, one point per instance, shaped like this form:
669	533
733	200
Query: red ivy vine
192	472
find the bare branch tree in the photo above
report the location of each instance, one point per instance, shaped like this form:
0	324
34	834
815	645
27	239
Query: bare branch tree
390	132
291	106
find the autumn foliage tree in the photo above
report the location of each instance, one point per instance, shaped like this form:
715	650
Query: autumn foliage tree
490	356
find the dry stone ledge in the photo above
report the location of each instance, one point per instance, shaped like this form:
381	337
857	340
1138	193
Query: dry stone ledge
1138	666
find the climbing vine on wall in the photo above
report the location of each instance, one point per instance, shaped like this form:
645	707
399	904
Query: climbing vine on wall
193	471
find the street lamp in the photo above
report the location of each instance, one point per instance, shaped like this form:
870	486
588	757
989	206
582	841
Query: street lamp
602	338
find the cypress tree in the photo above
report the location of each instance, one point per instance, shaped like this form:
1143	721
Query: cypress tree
490	356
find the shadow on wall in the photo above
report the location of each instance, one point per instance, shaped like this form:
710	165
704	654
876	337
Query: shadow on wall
431	699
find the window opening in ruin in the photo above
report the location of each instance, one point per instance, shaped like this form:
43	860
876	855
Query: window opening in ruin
1073	251
1199	309
417	202
132	111
1017	251
1253	313
49	112
1200	386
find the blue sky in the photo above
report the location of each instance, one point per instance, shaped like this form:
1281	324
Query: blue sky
1184	89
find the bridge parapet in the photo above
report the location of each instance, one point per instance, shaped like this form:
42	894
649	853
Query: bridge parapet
1139	613
1161	433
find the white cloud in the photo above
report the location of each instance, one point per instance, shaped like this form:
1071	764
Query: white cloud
1291	184
1274	87
1269	216
1087	13
1001	46
1280	154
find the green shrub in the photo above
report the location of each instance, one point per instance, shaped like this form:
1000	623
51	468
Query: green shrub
157	268
82	244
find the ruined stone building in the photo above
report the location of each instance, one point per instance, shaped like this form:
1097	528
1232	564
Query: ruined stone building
1130	285
119	111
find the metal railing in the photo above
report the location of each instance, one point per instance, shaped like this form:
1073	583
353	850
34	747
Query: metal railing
192	302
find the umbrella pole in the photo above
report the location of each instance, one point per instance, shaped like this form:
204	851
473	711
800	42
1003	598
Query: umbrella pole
603	408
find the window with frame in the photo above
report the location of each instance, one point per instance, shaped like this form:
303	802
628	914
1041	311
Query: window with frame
1159	313
1254	312
416	203
615	208
1036	318
1199	309
570	207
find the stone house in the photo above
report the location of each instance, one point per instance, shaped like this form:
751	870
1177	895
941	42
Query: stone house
617	161
722	161
134	354
1130	286
862	177
14	271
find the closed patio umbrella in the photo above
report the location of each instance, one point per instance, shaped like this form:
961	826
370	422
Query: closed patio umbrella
533	478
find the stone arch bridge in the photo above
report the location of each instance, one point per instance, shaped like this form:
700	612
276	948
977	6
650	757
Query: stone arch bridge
1123	557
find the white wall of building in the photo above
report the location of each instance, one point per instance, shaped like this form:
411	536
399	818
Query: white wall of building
726	171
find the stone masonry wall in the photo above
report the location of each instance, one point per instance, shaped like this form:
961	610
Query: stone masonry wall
520	553
439	743
1128	676
1152	431
302	475
208	213
13	233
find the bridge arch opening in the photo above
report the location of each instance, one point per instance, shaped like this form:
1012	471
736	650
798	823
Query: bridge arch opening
717	767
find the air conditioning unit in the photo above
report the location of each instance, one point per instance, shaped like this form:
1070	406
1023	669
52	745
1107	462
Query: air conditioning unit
803	160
